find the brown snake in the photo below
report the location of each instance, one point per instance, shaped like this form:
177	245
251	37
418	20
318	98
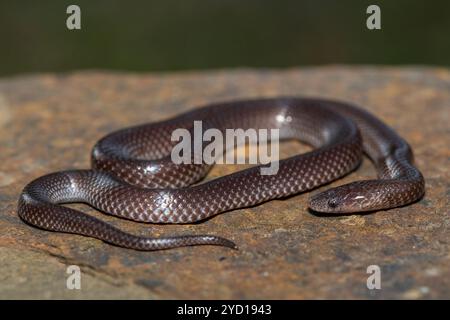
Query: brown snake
133	176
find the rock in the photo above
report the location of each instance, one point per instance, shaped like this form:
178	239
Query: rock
50	123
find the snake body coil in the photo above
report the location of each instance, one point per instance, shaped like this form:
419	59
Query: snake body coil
133	176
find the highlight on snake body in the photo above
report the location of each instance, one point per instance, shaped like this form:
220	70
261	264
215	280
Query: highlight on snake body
133	176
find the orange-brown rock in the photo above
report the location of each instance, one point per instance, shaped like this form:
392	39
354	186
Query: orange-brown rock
50	123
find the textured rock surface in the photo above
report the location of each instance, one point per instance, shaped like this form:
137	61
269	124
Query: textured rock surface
50	122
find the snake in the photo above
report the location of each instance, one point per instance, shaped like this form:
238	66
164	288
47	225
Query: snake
133	177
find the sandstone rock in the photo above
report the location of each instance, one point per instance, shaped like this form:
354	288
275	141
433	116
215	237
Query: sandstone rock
50	123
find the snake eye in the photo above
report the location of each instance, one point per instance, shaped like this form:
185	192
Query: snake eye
332	203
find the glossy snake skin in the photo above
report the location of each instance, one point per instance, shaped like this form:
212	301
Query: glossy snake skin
133	176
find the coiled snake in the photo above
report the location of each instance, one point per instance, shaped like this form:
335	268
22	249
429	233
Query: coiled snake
133	176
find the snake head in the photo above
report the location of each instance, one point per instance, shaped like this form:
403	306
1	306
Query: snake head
349	198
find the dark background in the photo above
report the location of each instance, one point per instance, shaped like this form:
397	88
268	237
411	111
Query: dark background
202	34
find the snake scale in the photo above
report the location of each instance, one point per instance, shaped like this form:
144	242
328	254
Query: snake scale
133	177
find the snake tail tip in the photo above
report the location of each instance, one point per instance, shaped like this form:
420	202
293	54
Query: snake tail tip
231	245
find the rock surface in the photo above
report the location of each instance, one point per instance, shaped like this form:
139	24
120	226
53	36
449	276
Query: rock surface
50	122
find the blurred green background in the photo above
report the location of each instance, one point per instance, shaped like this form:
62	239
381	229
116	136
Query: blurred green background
202	34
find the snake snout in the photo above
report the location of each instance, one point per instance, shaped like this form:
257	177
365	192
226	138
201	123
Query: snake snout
337	200
349	198
326	202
